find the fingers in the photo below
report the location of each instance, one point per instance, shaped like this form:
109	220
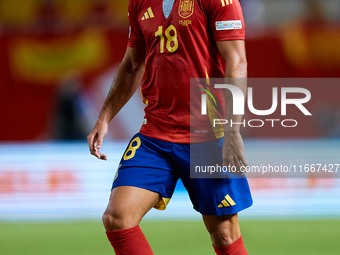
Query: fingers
95	141
99	155
235	164
233	154
90	139
239	167
229	162
243	161
238	164
98	143
102	156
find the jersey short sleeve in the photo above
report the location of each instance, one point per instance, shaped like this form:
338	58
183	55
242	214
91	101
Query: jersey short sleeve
136	38
225	18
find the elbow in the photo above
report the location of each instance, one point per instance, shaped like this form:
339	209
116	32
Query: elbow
237	67
243	65
243	61
139	69
240	61
137	65
133	66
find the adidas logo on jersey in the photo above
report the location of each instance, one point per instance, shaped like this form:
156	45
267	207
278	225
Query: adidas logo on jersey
228	201
148	14
226	2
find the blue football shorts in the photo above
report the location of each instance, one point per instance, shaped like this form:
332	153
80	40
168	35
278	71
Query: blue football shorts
156	165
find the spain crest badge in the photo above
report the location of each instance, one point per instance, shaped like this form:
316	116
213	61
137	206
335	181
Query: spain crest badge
186	8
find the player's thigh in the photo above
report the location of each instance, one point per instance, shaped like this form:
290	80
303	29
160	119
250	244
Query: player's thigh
128	205
148	166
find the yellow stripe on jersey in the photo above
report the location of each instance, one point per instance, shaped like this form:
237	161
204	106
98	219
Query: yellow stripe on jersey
146	15
145	100
150	13
226	2
213	114
207	80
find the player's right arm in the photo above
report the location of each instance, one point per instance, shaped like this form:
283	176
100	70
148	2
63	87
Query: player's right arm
124	85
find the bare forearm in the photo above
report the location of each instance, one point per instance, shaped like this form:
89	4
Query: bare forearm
233	148
235	74
124	85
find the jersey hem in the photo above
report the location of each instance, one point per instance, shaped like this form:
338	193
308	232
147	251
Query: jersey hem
183	139
134	44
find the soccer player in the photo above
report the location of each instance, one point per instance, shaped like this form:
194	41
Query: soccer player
170	42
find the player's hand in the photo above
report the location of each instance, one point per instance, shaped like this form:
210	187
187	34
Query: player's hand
233	152
95	139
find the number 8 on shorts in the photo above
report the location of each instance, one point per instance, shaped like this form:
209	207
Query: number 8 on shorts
131	150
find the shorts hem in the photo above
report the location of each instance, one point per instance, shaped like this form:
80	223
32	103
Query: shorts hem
161	205
225	211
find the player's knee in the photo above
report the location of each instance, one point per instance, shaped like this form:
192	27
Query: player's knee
113	221
223	230
107	221
222	236
224	233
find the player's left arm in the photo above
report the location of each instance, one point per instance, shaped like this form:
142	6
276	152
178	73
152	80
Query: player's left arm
233	52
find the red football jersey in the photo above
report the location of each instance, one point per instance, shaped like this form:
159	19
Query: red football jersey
179	37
